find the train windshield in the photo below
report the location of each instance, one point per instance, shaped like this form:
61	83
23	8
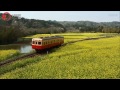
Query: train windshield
39	43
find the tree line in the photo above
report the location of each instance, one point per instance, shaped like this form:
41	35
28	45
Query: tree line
17	27
89	26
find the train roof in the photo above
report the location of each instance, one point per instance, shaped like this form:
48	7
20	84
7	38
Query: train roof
48	37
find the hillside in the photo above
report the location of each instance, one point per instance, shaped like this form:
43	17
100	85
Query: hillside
19	27
34	26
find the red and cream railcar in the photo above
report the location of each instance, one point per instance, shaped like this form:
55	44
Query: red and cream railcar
46	42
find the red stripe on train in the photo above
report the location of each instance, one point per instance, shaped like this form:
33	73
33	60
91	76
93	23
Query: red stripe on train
45	46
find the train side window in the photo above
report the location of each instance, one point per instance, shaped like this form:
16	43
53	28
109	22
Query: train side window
39	43
36	42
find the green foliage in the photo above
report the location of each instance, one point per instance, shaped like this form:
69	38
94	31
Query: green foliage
9	34
19	64
89	26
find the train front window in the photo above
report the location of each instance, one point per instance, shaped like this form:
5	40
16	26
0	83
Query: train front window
33	42
39	43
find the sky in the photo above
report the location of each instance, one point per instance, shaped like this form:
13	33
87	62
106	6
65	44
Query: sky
95	16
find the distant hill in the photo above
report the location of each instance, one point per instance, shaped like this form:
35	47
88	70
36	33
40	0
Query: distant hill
89	23
31	23
34	26
89	26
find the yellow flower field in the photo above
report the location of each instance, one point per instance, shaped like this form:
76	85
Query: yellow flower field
91	59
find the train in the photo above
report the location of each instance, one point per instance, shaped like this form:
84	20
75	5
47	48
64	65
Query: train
44	43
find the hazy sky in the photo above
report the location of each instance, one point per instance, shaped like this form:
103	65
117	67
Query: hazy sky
96	16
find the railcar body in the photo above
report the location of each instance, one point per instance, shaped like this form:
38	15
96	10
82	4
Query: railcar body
43	43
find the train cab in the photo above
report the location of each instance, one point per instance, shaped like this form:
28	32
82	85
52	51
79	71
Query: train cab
46	42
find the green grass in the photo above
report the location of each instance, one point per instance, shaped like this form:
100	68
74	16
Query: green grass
19	64
6	54
87	59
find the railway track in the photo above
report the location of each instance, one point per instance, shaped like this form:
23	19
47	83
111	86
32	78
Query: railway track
85	40
35	54
18	58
